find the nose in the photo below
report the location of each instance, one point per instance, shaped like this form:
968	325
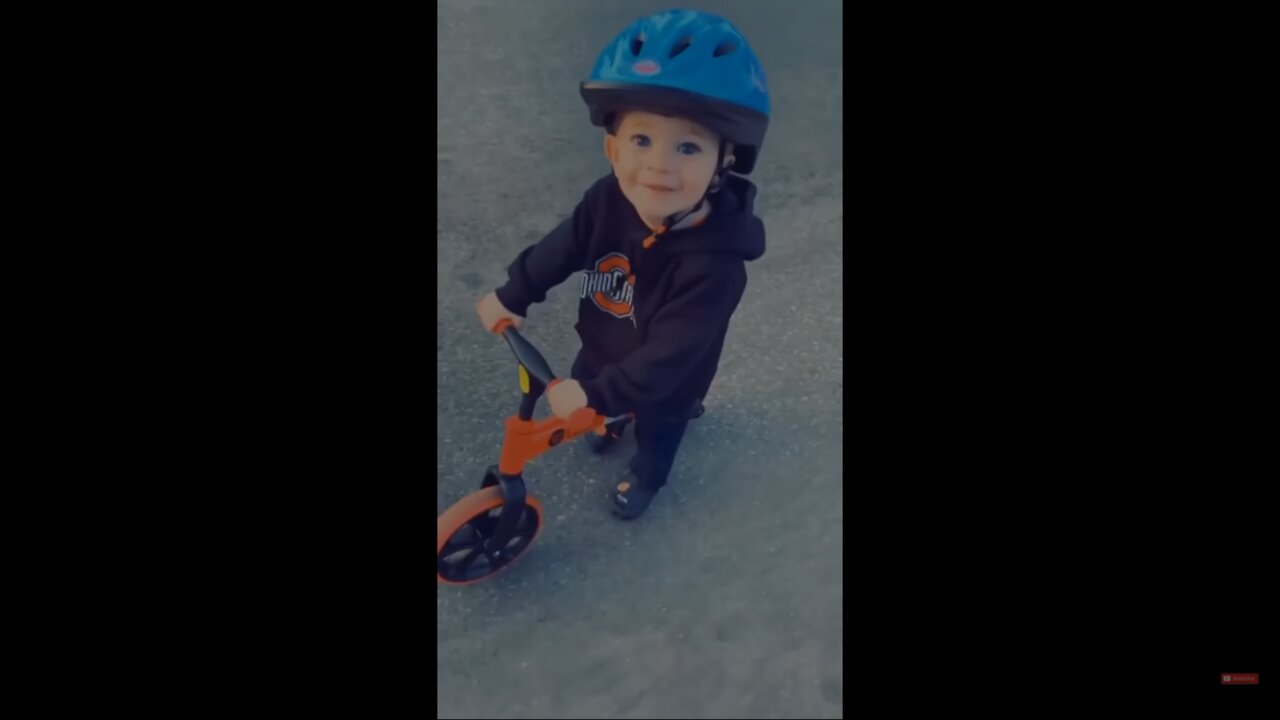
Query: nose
657	162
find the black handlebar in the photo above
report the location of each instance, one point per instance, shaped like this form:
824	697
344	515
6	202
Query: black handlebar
528	356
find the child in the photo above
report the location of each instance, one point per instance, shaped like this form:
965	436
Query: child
663	239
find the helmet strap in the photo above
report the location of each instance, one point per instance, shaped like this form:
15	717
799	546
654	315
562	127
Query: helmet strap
718	177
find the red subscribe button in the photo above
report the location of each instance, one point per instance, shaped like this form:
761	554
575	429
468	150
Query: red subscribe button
1240	678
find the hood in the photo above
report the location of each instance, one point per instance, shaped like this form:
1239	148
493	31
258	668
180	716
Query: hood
732	227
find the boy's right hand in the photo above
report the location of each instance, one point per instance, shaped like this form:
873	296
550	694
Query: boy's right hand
491	310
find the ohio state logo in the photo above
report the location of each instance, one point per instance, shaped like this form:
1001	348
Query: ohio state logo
611	286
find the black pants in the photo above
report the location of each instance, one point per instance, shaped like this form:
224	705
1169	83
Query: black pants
658	435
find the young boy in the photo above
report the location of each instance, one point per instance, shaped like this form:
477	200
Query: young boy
663	239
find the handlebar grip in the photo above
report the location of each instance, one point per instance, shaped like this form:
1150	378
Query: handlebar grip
526	354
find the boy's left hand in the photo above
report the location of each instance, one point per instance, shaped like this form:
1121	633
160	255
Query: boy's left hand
565	397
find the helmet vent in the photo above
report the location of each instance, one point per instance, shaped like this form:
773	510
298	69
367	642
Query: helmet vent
725	48
637	42
681	46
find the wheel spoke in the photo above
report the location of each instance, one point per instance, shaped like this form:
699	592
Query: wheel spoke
464	565
527	519
452	559
483	523
466	536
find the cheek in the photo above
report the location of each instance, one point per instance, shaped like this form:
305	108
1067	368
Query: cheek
625	165
698	175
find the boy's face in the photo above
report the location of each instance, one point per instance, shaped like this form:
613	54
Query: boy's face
663	164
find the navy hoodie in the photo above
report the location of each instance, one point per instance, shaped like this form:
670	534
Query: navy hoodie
652	321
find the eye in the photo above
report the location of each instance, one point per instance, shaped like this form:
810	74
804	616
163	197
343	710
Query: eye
688	148
640	140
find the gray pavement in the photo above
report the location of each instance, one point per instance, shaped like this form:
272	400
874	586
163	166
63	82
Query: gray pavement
726	599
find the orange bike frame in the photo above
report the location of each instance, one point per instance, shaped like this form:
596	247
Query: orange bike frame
527	439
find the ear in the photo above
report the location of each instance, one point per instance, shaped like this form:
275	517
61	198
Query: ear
728	155
610	147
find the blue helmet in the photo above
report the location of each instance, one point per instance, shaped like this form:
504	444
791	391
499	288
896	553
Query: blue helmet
687	63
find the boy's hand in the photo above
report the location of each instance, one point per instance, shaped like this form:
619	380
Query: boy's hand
565	397
491	310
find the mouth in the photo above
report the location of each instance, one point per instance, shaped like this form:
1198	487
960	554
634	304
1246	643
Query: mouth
658	188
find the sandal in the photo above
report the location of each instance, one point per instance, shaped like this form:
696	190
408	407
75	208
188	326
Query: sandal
630	500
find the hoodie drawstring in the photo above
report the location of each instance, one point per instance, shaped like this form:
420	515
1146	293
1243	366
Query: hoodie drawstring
649	241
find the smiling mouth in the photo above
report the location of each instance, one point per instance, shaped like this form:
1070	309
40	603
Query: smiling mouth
659	188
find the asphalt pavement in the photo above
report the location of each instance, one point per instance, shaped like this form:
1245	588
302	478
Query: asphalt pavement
726	599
